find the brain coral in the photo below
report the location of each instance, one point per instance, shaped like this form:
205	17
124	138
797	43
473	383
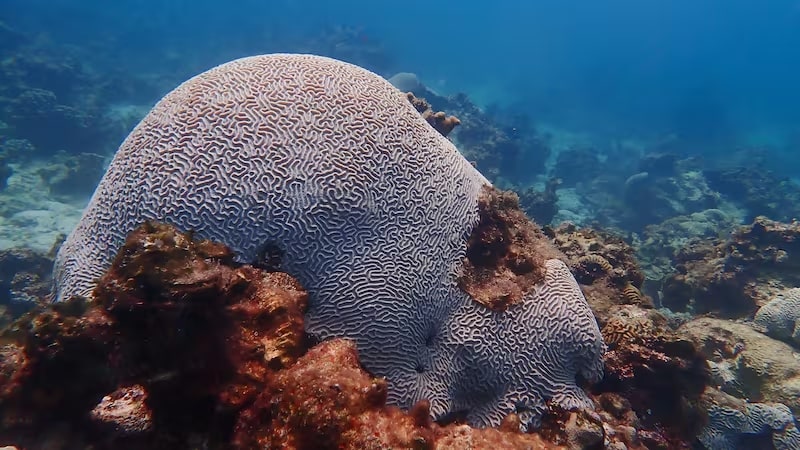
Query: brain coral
780	317
370	209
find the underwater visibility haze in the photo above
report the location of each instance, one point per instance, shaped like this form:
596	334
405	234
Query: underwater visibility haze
346	225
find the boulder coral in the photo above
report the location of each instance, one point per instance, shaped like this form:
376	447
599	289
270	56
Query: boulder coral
780	317
328	172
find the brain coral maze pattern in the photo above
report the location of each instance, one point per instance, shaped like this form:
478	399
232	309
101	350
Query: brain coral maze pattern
371	208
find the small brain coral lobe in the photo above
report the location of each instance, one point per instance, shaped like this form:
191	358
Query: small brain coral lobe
366	204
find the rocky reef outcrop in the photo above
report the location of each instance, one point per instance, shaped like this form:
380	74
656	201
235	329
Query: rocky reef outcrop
183	347
733	277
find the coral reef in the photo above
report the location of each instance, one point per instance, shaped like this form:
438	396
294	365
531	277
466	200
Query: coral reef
654	377
654	198
184	348
440	121
735	424
48	98
174	322
372	219
25	279
657	372
780	317
506	253
541	206
746	363
599	255
759	191
734	277
659	243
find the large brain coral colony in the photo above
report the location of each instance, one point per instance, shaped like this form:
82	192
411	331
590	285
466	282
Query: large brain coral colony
371	209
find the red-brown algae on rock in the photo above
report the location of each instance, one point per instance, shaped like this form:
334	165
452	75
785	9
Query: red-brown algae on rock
326	401
659	374
172	316
54	366
216	330
506	252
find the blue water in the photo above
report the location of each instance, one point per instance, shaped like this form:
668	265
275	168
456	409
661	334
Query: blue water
720	71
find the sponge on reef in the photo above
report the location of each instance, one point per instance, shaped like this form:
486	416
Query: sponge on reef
329	171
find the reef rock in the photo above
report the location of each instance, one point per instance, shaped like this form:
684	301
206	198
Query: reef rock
327	401
177	341
734	277
325	170
760	191
660	243
652	198
737	424
746	363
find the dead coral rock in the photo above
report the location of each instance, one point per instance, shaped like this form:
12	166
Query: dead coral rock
746	363
24	280
326	401
659	374
125	411
440	121
198	329
199	334
505	253
727	277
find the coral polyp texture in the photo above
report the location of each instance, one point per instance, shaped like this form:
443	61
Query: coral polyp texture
780	317
329	172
